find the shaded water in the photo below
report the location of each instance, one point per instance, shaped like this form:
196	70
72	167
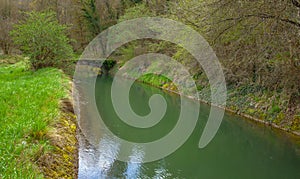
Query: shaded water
241	149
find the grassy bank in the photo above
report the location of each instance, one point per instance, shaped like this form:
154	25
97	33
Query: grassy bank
36	133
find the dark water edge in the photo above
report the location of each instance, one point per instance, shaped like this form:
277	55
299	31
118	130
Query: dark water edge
241	148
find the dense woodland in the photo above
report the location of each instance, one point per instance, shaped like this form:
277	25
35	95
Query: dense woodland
257	42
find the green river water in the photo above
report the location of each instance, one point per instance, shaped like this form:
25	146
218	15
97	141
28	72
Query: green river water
241	148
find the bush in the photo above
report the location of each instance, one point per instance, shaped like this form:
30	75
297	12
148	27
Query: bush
42	39
109	64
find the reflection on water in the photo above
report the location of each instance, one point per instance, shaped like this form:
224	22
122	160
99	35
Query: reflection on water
101	162
241	149
97	161
133	168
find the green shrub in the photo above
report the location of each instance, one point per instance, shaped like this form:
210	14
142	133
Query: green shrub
109	64
42	39
136	11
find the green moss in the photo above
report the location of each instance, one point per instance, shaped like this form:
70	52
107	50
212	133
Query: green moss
251	111
274	109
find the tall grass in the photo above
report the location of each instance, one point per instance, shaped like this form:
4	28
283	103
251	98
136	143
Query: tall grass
29	102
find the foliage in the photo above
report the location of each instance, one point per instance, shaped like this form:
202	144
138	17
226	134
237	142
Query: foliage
257	44
109	64
155	80
247	36
43	40
92	17
136	11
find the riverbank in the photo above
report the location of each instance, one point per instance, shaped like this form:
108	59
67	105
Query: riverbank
38	139
251	102
256	108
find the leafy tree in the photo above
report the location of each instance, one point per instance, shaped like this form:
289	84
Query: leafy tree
42	39
101	14
136	11
92	17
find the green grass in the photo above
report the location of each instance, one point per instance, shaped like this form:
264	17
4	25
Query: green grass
29	102
155	80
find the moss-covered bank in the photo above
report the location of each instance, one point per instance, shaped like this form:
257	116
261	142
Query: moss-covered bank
62	161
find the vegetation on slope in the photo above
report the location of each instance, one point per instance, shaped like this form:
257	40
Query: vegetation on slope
30	113
256	44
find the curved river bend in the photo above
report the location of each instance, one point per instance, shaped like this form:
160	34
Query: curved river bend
241	149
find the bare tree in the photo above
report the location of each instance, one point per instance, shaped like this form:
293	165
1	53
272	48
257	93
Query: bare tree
8	16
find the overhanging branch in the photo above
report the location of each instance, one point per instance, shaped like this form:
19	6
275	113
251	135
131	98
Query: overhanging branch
265	16
296	3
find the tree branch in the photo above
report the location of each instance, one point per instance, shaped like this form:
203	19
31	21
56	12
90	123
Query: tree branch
296	3
266	16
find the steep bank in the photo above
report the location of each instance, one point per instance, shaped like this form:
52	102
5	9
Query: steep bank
62	161
262	106
260	62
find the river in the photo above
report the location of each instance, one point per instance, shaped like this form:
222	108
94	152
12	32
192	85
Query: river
241	148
